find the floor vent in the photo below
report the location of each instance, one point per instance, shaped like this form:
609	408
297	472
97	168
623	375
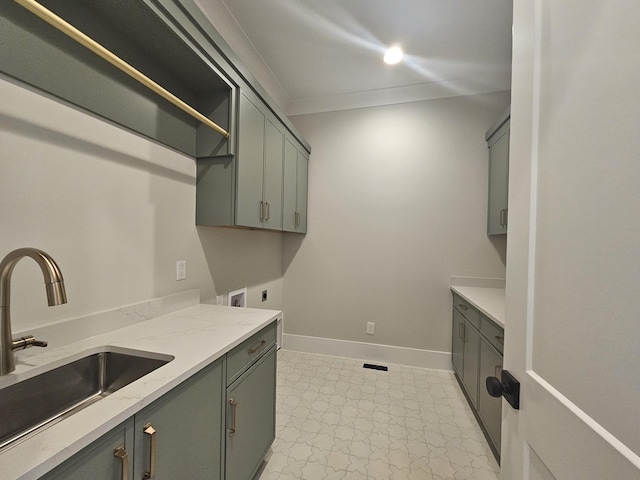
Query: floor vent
376	367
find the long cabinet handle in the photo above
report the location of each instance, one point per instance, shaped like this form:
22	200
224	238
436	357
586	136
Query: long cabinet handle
123	456
257	348
234	416
461	331
265	210
503	217
297	219
151	432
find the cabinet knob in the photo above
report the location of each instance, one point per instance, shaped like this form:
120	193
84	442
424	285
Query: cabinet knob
506	386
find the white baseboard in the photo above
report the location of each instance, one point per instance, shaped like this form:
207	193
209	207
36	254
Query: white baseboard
369	351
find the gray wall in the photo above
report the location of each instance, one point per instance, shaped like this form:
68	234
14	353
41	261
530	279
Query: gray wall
116	211
397	204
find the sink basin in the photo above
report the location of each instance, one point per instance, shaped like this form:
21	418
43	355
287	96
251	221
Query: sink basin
41	400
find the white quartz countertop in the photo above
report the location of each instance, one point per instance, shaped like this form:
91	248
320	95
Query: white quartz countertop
195	336
489	300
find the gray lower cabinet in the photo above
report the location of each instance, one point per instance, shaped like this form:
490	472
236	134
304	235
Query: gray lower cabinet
498	142
251	418
250	403
490	408
476	353
178	436
457	343
218	424
470	364
98	460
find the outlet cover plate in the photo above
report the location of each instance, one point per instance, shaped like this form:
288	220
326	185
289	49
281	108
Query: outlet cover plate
181	269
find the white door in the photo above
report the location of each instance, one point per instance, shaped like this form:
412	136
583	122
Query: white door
573	256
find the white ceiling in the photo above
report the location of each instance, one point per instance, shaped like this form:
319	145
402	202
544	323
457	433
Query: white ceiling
327	54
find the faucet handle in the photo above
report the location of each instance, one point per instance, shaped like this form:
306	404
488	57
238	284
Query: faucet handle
27	341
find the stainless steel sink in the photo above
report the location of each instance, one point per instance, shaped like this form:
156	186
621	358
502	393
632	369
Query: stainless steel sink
39	401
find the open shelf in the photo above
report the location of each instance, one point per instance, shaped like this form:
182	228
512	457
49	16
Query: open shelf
38	54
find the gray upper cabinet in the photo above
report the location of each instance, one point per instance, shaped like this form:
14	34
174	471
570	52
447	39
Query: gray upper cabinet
245	190
273	164
239	175
302	191
149	39
250	166
265	184
498	142
296	161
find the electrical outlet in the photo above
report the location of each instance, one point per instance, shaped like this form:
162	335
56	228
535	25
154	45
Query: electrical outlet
264	295
371	328
220	300
181	269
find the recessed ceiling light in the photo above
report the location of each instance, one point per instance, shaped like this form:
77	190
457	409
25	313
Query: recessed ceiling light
393	55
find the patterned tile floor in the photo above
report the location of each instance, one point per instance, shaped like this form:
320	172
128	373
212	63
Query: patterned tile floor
338	420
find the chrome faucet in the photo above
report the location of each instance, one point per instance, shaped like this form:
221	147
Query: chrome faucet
56	295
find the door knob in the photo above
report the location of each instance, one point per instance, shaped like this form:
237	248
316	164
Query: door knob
506	386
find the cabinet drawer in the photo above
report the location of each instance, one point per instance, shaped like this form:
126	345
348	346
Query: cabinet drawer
466	309
493	333
248	351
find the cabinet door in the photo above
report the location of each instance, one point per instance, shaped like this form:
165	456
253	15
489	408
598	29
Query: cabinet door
97	461
273	161
302	187
290	187
490	408
250	164
498	181
471	361
457	342
251	404
185	425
